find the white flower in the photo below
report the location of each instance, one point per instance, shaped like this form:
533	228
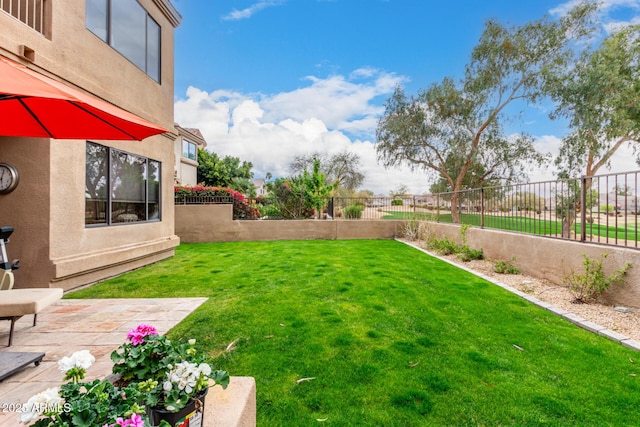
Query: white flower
46	401
66	363
171	408
167	386
205	369
84	359
192	341
80	359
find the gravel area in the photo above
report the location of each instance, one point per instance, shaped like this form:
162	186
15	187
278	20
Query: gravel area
625	323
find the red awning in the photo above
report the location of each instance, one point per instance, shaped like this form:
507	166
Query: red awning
34	105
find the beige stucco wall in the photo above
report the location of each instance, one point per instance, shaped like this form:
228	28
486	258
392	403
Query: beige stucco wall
213	223
47	208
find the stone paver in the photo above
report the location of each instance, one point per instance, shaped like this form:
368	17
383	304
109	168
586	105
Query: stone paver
98	325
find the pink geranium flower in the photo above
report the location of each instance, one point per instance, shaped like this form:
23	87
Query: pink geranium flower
134	421
136	335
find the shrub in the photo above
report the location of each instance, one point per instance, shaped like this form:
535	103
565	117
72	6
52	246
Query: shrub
353	212
448	247
396	202
466	254
506	267
588	286
416	230
443	246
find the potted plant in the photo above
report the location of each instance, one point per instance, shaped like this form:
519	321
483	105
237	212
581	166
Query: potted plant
78	403
173	377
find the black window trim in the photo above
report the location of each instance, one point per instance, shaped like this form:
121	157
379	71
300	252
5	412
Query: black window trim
108	222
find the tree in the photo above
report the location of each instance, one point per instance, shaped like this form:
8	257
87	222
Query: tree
315	189
477	176
341	169
227	172
466	119
601	99
399	191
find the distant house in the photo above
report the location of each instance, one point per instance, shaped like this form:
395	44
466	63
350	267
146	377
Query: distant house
186	152
261	186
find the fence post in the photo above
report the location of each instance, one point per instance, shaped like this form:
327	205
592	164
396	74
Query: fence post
414	208
482	208
437	207
583	211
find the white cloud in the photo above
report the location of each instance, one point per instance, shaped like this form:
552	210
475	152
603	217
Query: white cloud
623	159
630	8
321	117
248	12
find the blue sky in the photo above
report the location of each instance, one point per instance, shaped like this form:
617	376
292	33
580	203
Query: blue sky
265	80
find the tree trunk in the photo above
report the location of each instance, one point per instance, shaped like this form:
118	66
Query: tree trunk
455	213
567	223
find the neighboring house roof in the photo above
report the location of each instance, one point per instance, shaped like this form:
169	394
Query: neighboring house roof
258	182
192	134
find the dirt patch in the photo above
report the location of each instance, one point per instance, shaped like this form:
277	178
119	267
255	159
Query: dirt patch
625	323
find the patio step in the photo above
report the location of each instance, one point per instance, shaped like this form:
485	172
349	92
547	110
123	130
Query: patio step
233	407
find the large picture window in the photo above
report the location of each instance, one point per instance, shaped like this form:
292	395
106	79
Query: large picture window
120	187
127	27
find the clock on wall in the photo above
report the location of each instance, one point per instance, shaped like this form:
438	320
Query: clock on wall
9	178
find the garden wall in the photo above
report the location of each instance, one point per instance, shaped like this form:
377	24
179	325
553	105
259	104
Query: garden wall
552	259
214	223
541	257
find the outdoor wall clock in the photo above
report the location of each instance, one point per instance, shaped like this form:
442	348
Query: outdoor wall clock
9	178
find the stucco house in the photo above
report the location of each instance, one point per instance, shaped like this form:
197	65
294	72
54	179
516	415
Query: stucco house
85	209
186	153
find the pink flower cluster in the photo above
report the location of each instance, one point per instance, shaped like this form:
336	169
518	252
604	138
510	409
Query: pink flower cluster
136	335
134	421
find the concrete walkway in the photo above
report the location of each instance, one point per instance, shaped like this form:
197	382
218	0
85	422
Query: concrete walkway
98	325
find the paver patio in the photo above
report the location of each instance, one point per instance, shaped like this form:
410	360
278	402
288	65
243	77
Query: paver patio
98	325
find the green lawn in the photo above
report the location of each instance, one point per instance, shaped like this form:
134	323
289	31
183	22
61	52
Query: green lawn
391	336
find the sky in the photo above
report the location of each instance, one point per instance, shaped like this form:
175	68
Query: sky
267	80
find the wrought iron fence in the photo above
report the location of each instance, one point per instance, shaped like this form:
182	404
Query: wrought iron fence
598	209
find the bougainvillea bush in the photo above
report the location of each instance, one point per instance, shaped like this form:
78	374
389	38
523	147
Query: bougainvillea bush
243	207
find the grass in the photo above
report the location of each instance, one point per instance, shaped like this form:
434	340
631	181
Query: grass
391	336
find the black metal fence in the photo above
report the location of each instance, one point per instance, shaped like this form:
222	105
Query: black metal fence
599	209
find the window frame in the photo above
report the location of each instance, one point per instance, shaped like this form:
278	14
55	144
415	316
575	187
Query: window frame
188	152
110	152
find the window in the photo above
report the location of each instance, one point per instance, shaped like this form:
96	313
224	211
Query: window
127	27
120	187
189	150
35	13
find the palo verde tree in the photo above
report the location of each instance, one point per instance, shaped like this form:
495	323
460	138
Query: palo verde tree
466	118
601	98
